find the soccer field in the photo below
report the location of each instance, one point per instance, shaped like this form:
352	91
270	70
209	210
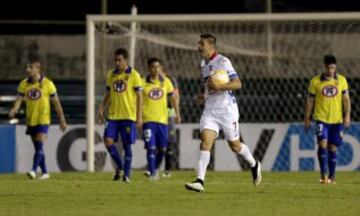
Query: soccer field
227	193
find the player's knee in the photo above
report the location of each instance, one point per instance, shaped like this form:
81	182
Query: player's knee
108	142
236	147
205	146
332	147
40	137
323	144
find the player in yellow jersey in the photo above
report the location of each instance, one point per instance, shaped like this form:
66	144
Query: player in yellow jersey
37	91
155	115
123	103
172	147
329	96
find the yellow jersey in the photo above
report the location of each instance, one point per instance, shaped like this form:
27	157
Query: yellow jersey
328	98
37	100
155	99
123	87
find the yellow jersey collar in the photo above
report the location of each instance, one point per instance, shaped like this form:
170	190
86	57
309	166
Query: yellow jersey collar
128	70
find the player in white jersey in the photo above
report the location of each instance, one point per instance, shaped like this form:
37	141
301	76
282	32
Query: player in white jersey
220	112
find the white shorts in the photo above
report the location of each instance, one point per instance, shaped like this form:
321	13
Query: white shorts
226	120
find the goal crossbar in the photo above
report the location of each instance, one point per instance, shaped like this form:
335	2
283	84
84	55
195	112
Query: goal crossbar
225	17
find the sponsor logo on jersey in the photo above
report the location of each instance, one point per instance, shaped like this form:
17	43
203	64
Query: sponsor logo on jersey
119	86
156	93
34	94
330	91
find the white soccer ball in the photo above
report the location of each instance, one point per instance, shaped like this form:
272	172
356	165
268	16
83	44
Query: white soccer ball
220	76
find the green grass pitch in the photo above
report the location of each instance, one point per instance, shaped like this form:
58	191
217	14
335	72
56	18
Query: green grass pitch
227	193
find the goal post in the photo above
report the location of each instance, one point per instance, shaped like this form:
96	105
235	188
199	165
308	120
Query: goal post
261	46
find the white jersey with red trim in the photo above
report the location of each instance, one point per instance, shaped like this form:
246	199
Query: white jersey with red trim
218	99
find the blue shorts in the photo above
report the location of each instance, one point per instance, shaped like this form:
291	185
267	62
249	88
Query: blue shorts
333	133
155	135
126	128
33	130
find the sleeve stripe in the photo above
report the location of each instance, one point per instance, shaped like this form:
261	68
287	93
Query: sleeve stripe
233	76
138	88
345	91
52	95
107	88
21	94
170	93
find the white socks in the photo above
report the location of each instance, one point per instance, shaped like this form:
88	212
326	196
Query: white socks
245	152
205	159
203	163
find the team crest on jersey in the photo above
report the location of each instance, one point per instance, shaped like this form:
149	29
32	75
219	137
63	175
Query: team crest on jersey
119	86
330	91
34	94
156	93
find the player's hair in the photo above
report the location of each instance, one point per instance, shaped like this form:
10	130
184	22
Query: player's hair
152	60
329	59
34	59
209	37
121	51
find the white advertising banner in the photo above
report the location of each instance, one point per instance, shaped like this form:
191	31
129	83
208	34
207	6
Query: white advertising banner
280	147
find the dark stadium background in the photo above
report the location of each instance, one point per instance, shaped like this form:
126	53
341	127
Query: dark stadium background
76	10
66	17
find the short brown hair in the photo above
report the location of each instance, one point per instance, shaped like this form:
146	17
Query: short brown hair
209	37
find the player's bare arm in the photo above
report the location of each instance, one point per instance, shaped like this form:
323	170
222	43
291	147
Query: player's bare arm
59	110
16	106
234	84
347	109
175	104
103	106
139	105
308	109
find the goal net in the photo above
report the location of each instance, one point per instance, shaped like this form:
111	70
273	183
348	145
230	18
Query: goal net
275	56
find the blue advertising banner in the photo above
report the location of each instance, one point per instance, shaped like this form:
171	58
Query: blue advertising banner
7	148
298	150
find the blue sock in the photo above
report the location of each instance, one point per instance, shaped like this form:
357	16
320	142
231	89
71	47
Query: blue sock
128	159
159	158
115	156
43	165
322	156
39	154
151	158
332	164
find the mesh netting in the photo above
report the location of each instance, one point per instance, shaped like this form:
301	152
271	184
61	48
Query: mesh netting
275	77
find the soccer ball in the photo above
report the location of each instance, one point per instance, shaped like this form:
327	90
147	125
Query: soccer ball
220	76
